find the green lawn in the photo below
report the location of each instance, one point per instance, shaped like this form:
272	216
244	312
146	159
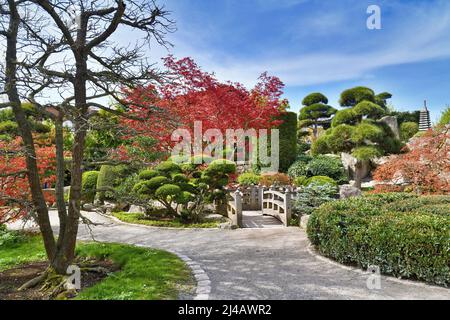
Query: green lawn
145	274
139	218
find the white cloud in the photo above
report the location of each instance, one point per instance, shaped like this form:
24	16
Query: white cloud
423	35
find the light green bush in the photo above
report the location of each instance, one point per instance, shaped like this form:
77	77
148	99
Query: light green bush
89	185
249	179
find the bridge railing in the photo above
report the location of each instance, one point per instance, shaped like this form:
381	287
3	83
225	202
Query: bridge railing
273	201
234	207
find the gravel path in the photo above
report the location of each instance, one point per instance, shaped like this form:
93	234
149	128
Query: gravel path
273	263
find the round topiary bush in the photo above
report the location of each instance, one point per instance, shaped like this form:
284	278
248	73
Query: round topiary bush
321	180
403	234
148	174
89	185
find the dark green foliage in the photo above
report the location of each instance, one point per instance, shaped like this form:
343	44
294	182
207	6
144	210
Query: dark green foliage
408	130
316	111
313	196
405	235
148	174
368	109
314	98
345	116
327	166
351	97
381	99
407	116
89	185
288	140
320	146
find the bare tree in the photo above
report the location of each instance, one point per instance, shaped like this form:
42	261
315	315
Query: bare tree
70	56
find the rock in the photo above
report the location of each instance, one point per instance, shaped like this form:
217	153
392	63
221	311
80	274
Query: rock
136	209
348	191
349	163
392	122
89	207
213	216
304	221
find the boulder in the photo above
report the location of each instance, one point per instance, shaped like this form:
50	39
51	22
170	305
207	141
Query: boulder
89	207
136	209
392	122
349	162
348	191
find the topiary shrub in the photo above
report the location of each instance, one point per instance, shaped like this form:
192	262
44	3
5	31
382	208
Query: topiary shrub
395	232
89	186
249	179
105	183
321	180
327	166
109	177
148	174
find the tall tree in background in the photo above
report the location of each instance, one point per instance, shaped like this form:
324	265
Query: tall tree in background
315	113
195	95
358	131
66	51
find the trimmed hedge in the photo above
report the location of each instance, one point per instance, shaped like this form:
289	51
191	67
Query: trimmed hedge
288	140
89	185
405	235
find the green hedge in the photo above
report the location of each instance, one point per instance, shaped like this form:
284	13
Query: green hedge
288	140
89	185
405	235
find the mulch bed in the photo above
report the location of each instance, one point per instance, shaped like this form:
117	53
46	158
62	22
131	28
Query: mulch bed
12	279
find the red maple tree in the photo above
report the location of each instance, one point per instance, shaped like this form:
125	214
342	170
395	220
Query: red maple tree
194	95
424	167
15	199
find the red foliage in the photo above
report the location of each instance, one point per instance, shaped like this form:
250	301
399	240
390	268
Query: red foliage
194	95
14	188
425	165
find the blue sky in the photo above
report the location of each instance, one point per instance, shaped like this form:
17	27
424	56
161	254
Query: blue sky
323	46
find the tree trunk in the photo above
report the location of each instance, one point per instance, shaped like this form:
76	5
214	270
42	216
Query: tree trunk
37	195
60	202
67	252
315	131
358	174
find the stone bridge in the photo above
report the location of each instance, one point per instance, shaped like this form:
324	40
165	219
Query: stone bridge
260	207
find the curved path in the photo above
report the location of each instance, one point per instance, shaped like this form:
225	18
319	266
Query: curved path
274	263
